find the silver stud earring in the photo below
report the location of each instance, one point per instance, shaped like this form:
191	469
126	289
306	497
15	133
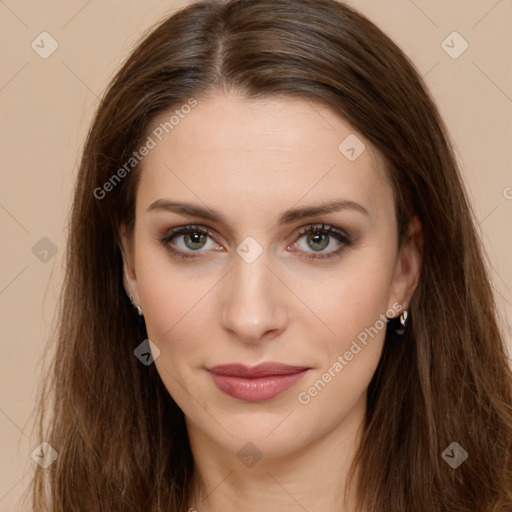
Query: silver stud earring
403	320
139	309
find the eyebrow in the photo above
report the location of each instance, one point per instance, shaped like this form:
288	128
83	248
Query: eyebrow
286	217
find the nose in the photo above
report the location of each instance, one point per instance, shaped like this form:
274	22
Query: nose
254	308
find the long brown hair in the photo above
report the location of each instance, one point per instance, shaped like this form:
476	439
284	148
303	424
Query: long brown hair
121	439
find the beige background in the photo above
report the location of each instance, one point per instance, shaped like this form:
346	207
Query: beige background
46	106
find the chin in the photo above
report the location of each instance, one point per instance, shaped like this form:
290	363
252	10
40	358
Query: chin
260	434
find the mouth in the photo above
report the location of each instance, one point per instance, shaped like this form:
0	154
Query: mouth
258	383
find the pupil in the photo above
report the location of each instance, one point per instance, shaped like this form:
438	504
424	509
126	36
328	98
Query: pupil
317	242
195	237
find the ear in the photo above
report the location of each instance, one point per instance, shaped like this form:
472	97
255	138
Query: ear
408	266
129	276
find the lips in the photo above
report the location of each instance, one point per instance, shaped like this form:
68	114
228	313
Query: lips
260	370
257	383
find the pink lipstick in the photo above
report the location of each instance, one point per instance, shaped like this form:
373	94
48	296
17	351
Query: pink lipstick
257	383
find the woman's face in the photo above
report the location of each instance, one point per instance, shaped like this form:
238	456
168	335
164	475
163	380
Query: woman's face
255	288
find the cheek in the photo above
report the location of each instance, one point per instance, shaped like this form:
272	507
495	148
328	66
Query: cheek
354	310
174	306
347	301
163	301
172	311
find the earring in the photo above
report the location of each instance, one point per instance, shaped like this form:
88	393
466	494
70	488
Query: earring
403	319
139	309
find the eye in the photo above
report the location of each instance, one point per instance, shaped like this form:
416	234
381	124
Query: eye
195	238
318	237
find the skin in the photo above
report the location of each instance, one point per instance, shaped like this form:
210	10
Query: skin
251	160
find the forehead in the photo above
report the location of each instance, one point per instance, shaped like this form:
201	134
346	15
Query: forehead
227	151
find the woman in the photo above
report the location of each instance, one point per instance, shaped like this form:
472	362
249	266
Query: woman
275	295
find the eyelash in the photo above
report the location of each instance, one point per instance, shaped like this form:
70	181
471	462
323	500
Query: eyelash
337	233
